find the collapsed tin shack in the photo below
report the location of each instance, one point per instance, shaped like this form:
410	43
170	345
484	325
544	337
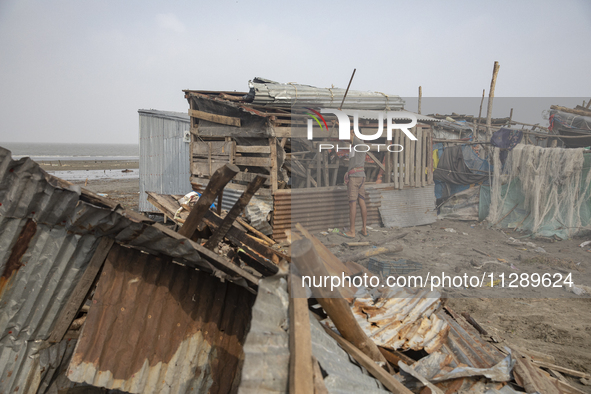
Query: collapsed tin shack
263	132
96	296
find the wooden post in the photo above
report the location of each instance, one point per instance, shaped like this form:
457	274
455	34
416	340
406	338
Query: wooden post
388	164
476	136
337	308
420	98
301	369
217	182
491	95
318	169
325	167
242	202
510	118
430	158
274	169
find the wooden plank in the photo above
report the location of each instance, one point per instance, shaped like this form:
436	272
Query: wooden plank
395	160
386	178
209	158
253	161
319	386
379	163
217	182
221	119
70	310
325	168
202	169
407	147
239	238
217	261
419	157
253	149
335	172
412	162
273	157
250	176
374	369
255	231
236	210
430	159
308	262
558	368
301	370
218	148
318	169
426	152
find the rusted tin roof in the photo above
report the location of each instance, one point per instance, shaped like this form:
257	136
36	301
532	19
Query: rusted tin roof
155	326
400	319
49	230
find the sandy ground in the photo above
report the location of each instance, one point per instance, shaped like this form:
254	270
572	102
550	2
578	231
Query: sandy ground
539	320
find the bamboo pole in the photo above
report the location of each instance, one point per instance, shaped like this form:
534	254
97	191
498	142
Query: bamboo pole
491	95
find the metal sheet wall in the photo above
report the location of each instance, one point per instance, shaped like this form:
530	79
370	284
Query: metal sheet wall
164	156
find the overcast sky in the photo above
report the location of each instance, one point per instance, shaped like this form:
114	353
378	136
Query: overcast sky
78	71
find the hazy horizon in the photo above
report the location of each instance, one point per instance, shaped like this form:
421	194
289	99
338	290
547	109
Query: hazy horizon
78	71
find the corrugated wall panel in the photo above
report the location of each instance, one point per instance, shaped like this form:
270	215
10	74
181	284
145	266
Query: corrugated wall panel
317	209
408	207
164	156
159	327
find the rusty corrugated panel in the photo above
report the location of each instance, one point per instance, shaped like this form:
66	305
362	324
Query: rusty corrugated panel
49	230
317	209
159	327
465	345
400	319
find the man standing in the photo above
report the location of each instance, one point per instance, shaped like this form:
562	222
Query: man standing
355	180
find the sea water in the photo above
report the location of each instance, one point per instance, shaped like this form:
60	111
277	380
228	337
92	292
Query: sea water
90	152
56	151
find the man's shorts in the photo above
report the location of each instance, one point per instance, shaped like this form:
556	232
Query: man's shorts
356	188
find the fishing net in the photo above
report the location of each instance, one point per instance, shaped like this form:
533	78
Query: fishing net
543	190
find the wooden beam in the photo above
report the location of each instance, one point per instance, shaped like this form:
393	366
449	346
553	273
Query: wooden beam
558	368
216	184
309	264
219	262
70	310
253	161
221	119
255	231
374	158
374	369
319	386
274	168
301	369
236	210
253	149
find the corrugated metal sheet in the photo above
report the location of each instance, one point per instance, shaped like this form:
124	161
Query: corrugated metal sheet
256	211
266	349
266	364
159	327
316	209
267	92
408	207
164	156
58	227
40	263
328	207
465	345
401	320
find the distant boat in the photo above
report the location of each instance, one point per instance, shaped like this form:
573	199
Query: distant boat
126	170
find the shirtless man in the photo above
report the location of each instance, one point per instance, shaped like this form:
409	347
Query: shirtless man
355	180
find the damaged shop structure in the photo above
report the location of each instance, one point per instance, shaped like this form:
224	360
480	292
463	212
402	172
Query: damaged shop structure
264	133
97	298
